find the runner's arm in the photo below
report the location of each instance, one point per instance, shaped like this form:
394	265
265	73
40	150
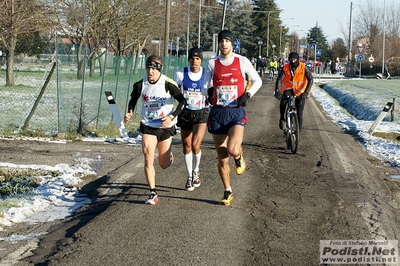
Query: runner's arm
208	77
309	79
135	95
177	94
178	78
278	84
256	81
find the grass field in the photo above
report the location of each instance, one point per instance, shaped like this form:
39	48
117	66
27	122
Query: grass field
66	100
365	99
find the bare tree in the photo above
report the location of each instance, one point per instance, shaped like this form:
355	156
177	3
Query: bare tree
19	18
122	25
392	32
370	26
85	23
136	22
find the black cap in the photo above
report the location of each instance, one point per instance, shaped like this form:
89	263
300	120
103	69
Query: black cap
226	34
195	51
294	55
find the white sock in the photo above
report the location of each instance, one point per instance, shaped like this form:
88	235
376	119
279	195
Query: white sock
196	161
187	158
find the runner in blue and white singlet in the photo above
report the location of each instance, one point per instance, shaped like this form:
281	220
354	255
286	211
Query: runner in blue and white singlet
193	118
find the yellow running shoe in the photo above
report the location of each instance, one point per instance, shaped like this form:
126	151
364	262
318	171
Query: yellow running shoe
226	200
240	165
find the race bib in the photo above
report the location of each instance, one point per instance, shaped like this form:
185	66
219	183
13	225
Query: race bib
227	95
193	100
153	111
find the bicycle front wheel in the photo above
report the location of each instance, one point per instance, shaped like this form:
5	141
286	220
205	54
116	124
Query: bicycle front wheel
294	133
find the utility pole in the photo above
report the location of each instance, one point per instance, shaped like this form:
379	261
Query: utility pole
198	39
350	39
383	39
167	20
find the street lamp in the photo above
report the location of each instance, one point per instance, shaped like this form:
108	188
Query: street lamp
273	50
269	13
259	48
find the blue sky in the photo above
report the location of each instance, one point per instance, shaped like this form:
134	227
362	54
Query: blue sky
331	16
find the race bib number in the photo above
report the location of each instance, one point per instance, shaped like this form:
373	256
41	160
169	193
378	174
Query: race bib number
193	100
153	111
227	95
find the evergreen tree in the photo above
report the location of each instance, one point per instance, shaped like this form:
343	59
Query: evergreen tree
238	20
266	13
339	49
317	36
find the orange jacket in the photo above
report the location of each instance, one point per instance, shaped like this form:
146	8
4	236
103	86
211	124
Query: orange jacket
298	82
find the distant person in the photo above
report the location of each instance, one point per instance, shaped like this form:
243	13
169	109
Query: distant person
225	86
387	72
281	63
265	63
254	62
157	124
295	79
339	67
193	119
318	66
272	66
261	66
333	66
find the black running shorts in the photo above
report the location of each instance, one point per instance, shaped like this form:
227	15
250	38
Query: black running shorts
188	118
160	133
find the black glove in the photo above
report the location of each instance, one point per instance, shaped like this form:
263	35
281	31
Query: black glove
306	94
210	93
244	99
278	95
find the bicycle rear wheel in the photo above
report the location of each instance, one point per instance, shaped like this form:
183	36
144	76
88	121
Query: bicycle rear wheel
294	133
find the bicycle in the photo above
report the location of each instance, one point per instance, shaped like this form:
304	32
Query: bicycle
272	73
291	131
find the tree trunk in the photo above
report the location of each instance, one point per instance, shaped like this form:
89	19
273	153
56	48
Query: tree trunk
81	63
81	55
102	61
92	60
10	62
117	65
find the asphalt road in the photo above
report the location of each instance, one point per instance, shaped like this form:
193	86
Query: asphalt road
284	203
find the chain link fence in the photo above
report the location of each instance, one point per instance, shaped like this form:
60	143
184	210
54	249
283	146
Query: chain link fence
53	94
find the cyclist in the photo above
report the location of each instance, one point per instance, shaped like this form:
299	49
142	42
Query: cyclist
272	66
295	79
261	66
